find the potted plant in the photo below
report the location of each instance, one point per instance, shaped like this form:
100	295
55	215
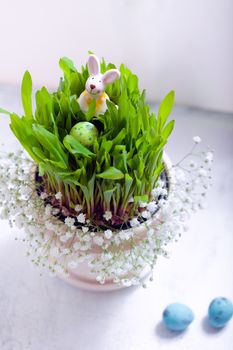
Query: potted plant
98	198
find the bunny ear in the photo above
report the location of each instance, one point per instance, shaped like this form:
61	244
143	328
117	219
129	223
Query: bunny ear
110	76
93	65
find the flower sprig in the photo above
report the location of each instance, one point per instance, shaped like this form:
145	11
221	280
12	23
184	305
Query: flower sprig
60	244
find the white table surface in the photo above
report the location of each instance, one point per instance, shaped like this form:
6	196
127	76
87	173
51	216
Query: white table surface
44	313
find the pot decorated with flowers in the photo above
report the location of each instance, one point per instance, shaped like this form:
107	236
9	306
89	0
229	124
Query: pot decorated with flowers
96	195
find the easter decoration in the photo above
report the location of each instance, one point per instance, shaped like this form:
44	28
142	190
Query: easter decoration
220	312
94	191
96	85
177	317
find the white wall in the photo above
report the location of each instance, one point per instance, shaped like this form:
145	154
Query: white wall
184	45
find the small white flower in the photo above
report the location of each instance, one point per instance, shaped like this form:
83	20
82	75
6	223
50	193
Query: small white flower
55	211
43	195
146	214
202	173
125	235
98	240
197	139
85	229
48	209
69	221
81	218
126	282
69	235
134	222
78	208
152	206
100	279
209	157
151	232
131	200
117	241
58	195
108	234
107	215
49	225
65	251
87	238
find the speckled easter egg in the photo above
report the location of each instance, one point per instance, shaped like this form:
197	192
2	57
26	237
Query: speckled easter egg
220	312
177	317
85	133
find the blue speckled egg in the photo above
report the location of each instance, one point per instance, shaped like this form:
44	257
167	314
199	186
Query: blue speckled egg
177	317
220	312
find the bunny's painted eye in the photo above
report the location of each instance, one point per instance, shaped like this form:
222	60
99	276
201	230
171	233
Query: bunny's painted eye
99	81
92	78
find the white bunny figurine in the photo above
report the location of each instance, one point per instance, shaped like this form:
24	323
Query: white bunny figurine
95	86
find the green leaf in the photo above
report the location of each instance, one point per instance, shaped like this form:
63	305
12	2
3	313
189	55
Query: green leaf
111	173
75	147
42	169
22	128
168	129
108	196
143	198
67	66
52	144
3	111
91	110
39	153
44	108
128	185
26	93
165	109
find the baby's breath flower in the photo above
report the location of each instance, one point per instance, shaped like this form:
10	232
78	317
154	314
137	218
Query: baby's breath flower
48	209
69	221
197	139
43	195
152	206
58	195
125	235
107	215
55	211
78	208
146	214
202	173
209	157
69	234
108	234
81	218
134	222
85	229
98	240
